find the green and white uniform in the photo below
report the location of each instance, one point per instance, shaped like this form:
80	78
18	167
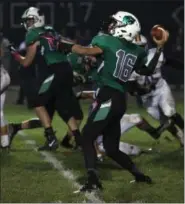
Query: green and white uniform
48	39
121	58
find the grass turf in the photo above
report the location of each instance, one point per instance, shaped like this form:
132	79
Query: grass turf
26	177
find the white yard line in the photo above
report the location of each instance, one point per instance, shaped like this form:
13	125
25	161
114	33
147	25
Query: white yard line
91	197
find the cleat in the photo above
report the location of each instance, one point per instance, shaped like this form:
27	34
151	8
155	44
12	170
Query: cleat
89	187
143	178
12	131
49	146
92	184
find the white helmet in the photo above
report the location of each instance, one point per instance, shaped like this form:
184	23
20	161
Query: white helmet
141	41
126	26
34	14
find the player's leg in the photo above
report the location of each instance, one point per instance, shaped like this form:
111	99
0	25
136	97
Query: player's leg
67	140
167	106
130	120
126	148
46	94
109	110
24	125
67	104
30	89
111	140
77	113
4	83
127	122
3	125
31	123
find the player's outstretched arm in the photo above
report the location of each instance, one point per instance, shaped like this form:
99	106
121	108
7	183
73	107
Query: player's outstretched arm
86	50
149	69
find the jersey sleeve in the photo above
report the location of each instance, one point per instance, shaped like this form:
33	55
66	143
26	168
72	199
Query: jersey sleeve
100	41
31	37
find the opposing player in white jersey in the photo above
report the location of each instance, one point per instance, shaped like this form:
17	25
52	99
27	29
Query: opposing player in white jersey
157	97
4	83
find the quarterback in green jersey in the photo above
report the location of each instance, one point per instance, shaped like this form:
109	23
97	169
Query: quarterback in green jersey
57	79
121	58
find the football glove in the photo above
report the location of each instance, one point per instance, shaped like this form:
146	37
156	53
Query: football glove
14	52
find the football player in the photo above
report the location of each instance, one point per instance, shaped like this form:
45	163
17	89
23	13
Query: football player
157	97
4	83
57	77
121	58
127	121
76	63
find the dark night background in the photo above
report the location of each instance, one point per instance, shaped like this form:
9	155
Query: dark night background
79	16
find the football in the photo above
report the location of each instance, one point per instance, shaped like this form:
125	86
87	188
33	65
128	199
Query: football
157	32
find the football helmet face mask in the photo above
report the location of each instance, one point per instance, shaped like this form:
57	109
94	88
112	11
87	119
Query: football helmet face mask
32	18
124	25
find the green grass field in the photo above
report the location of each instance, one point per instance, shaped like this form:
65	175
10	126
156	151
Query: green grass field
26	176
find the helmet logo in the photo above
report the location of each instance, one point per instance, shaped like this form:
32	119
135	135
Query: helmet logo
128	20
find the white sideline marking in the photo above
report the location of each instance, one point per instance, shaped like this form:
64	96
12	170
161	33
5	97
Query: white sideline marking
92	198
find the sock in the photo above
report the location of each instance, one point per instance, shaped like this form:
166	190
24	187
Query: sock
164	126
4	141
77	136
49	134
177	118
17	127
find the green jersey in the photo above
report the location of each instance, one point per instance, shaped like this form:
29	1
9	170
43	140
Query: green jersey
121	58
48	39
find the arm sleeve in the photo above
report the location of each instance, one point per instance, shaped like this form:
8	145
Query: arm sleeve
149	69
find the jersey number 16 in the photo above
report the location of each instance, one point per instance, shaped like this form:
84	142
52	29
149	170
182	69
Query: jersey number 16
124	65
